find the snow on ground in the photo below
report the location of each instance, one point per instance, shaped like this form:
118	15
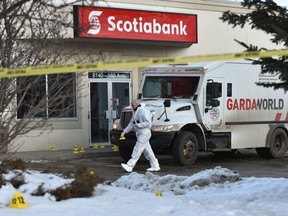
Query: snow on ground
217	192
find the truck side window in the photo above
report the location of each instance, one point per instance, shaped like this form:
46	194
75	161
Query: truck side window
217	91
209	94
229	89
213	91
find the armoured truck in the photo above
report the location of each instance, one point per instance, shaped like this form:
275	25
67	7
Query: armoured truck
209	106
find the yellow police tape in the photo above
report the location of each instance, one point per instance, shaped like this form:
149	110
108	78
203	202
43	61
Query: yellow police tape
74	68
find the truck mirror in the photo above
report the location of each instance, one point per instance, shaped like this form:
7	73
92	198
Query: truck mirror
167	103
215	103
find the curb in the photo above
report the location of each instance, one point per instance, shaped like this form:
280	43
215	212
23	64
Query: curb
59	155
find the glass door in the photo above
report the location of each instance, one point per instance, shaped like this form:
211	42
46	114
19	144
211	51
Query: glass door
98	105
107	98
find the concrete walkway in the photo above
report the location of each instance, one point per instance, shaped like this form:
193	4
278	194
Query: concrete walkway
61	155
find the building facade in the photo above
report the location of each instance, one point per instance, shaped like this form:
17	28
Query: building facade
168	29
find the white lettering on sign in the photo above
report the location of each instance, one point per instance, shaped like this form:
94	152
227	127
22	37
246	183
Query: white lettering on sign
137	25
107	75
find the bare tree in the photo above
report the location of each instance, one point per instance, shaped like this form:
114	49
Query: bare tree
31	32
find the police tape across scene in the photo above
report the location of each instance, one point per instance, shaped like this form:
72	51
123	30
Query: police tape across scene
75	68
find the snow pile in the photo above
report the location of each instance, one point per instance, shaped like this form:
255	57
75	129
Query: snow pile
33	180
179	185
217	192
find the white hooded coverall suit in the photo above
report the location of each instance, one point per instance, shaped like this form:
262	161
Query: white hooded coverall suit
141	124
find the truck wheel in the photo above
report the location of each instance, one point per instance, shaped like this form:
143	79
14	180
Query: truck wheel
278	145
125	153
185	148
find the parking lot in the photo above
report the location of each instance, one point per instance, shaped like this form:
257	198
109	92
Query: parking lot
246	162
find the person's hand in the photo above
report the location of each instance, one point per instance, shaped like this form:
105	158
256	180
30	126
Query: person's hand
122	137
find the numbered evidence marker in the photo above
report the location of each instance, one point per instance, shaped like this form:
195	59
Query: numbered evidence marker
18	201
158	193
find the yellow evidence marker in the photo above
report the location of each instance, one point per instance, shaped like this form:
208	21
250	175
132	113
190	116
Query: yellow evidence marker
158	193
75	150
18	201
122	137
115	148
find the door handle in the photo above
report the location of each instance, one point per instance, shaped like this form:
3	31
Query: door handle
108	114
114	114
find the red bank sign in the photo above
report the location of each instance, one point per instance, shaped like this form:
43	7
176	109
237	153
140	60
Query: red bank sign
112	23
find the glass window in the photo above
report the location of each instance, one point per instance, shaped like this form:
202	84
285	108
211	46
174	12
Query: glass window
213	90
229	89
209	94
169	87
30	93
63	105
52	96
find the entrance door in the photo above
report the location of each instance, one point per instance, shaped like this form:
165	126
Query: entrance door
107	98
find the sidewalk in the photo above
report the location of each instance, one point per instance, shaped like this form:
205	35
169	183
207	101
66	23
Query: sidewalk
61	155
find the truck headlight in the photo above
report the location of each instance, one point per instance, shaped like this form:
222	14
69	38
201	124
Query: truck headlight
116	124
162	128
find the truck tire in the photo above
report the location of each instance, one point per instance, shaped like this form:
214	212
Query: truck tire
277	147
125	153
185	148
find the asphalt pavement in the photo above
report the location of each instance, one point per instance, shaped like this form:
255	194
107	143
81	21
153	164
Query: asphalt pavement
61	155
106	162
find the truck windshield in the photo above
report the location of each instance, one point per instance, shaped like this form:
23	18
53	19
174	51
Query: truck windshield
170	86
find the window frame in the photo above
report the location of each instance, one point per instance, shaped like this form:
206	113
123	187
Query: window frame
46	95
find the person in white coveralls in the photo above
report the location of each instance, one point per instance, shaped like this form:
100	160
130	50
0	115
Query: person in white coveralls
141	122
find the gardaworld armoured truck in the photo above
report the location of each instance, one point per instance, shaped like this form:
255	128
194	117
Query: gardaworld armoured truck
210	106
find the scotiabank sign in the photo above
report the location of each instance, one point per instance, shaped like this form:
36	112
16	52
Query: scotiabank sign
112	23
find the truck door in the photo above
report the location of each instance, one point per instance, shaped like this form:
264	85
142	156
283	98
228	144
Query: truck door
214	104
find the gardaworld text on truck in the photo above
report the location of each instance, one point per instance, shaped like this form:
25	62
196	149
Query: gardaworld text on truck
214	107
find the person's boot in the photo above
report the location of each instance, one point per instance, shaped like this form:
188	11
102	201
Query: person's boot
153	169
154	165
126	167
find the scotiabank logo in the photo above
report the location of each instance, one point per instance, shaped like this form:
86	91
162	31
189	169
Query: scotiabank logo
95	25
111	23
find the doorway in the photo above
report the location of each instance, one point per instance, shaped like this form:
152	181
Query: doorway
108	96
